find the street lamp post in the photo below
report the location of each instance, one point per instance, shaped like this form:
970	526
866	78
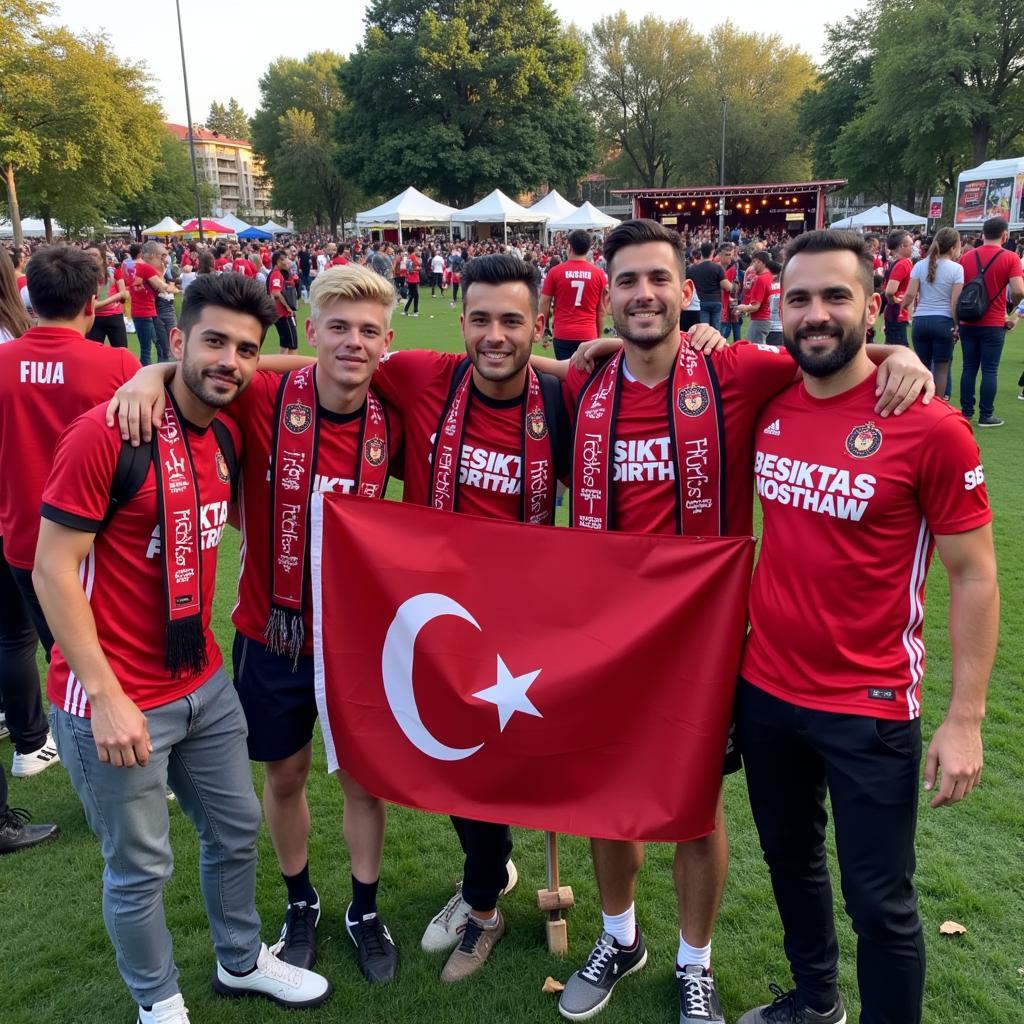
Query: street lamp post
721	177
191	136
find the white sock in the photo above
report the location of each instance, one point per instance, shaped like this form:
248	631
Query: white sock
621	927
486	922
692	955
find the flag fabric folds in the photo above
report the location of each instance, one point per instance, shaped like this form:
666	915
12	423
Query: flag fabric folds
566	680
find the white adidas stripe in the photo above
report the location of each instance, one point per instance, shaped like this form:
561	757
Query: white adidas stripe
911	643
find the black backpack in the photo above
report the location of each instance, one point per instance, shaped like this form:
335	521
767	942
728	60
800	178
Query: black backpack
974	301
133	464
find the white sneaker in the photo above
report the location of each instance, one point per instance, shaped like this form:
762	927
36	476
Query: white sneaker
38	761
275	980
4	731
445	929
167	1011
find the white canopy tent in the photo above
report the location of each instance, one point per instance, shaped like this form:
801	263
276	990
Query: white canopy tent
30	228
497	208
272	227
878	217
588	217
168	226
410	208
555	206
229	220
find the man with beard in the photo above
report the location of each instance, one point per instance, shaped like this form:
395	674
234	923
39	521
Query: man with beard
677	432
140	699
829	699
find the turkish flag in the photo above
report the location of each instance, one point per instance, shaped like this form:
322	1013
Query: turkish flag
565	680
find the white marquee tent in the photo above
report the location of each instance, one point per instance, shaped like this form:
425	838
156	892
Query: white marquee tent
555	206
588	217
168	226
409	208
273	227
497	208
229	220
878	217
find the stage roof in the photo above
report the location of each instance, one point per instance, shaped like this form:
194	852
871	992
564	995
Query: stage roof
774	188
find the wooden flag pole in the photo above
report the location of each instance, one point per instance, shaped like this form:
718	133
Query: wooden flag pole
555	899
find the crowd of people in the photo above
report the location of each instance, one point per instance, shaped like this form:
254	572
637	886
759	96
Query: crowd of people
141	701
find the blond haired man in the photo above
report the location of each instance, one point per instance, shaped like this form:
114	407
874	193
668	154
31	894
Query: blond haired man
314	430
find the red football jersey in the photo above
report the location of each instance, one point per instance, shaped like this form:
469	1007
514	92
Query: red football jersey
416	383
643	482
760	291
110	288
335	470
221	263
243	266
1006	265
123	572
275	285
901	274
850	506
48	377
576	287
143	297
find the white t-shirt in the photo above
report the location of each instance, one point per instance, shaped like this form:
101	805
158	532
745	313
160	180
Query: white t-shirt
5	336
933	299
437	264
321	261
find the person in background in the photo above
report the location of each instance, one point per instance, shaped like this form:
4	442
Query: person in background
411	264
112	295
897	277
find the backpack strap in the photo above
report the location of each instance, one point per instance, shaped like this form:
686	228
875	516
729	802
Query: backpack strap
129	475
557	418
226	443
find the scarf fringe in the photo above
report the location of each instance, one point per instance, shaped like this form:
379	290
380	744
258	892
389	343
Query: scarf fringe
285	633
186	646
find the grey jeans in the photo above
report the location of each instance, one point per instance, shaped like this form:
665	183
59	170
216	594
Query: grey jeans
199	750
759	331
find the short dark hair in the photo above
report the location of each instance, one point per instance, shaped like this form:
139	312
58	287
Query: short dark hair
994	228
834	240
639	232
706	249
61	281
580	241
763	256
234	292
501	268
134	249
895	239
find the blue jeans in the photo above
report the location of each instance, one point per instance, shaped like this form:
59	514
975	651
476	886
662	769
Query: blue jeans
710	313
896	332
982	347
199	749
733	327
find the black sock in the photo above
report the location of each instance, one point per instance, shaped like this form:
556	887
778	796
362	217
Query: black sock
239	974
364	898
300	889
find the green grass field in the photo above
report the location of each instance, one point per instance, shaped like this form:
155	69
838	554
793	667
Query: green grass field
57	963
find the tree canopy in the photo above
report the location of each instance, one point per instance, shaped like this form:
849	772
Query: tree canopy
463	96
230	120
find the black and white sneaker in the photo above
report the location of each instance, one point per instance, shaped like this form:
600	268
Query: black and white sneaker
297	944
787	1009
698	998
375	949
587	992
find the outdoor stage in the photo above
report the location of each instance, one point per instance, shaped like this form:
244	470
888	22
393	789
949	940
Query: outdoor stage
782	206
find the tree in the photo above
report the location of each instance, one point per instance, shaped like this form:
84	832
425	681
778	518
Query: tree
299	100
463	96
168	191
642	88
761	81
230	121
68	141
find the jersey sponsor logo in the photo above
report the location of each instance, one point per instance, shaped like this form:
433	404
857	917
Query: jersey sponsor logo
223	474
774	429
770	348
374	451
536	425
693	400
974	478
827	490
648	460
298	417
490	471
332	484
34	371
864	440
881	693
212	520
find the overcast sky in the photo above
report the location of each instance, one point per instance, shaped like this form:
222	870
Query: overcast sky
228	46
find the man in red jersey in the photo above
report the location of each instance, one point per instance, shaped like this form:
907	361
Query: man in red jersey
241	264
982	340
48	377
576	287
830	698
277	282
143	288
222	261
663	444
900	244
317	430
758	302
140	697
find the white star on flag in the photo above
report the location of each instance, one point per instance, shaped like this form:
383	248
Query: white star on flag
509	694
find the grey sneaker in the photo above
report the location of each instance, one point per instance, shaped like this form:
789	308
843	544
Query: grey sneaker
698	999
990	421
587	992
787	1009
